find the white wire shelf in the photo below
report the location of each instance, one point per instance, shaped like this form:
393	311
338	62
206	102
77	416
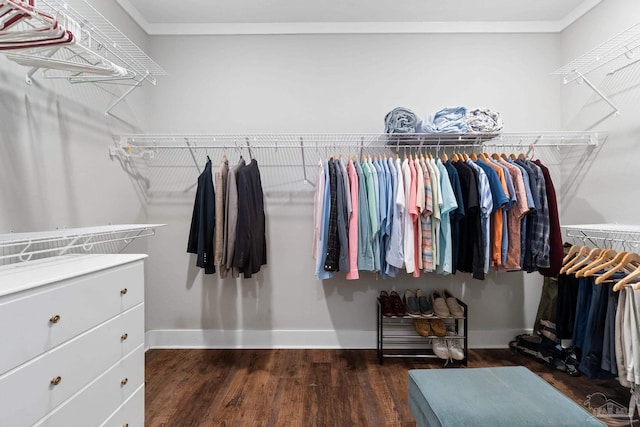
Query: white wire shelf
106	39
621	44
605	234
167	165
16	247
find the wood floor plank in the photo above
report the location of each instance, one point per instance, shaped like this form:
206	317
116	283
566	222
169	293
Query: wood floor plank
323	388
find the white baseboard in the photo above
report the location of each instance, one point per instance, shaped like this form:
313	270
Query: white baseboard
326	339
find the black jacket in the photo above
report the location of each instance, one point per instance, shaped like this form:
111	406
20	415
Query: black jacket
203	222
251	245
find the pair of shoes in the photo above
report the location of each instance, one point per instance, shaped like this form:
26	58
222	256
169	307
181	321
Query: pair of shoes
392	304
448	348
422	327
455	348
429	327
417	304
385	304
445	304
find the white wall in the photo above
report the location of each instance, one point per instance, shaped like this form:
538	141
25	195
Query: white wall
604	189
329	84
55	170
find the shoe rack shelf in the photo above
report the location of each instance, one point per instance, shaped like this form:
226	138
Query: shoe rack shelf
398	338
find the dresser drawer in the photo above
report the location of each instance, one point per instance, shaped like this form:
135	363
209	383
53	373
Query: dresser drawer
34	322
106	395
29	392
130	414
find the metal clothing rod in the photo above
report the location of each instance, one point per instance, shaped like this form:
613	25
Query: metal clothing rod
365	147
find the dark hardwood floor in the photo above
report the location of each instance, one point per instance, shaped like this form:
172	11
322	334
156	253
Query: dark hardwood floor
238	388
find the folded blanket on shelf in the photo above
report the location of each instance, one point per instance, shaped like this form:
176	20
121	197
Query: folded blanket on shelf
447	120
484	120
400	120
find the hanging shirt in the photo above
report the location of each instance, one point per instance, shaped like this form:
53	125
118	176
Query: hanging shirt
500	193
486	207
456	215
203	222
347	185
435	215
370	176
555	234
395	251
321	273
409	261
531	218
419	208
220	186
343	218
499	200
352	273
388	206
251	244
540	234
231	220
425	220
392	221
365	251
413	212
382	210
525	249
318	209
333	244
515	215
512	201
470	249
445	266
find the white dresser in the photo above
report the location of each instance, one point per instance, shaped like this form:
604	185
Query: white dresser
72	342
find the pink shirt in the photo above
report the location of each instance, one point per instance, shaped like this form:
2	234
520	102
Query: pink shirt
353	223
413	212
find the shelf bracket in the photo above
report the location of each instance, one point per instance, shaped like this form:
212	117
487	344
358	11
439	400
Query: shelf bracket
127	93
582	78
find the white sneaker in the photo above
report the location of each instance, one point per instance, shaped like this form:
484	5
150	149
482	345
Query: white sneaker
455	347
441	349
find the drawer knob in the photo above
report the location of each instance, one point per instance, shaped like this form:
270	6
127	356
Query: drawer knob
124	381
123	291
124	337
55	319
56	380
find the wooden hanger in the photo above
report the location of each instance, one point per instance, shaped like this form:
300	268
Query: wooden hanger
522	156
512	156
465	157
604	262
495	156
444	157
604	255
581	253
454	158
474	157
573	250
630	262
627	280
593	254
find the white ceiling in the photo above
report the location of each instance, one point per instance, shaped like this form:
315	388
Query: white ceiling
353	16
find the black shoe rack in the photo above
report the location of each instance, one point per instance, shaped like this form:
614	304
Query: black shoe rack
397	337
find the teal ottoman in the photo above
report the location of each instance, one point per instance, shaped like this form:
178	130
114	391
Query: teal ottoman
508	396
